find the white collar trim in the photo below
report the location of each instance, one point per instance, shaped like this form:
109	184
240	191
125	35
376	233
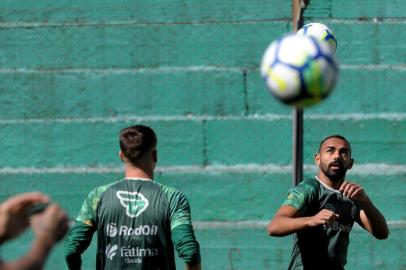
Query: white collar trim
137	178
329	188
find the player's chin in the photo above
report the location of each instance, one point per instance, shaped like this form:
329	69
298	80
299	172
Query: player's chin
336	174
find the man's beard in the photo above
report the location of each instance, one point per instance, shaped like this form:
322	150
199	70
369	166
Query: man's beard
335	175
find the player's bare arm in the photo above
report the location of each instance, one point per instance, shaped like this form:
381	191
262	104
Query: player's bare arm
371	218
288	221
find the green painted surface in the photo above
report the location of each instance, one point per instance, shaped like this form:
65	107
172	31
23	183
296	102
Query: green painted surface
66	95
163	11
225	44
248	141
371	44
261	141
94	144
359	90
138	46
356	9
184	142
180	92
143	11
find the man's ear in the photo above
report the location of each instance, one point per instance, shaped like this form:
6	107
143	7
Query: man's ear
351	163
121	155
317	159
155	156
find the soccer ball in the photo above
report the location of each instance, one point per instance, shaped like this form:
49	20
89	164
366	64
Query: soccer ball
320	32
299	70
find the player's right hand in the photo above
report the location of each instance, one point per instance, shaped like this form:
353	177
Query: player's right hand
51	225
324	217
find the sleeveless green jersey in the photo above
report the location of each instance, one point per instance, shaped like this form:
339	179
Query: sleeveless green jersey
323	247
134	220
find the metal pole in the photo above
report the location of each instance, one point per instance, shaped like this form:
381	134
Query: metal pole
297	145
297	22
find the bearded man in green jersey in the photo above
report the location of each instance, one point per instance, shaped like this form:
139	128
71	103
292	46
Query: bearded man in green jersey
322	210
138	222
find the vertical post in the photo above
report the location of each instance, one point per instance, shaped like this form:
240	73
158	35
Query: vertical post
297	145
298	7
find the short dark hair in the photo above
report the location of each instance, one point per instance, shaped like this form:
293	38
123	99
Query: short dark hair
335	136
136	140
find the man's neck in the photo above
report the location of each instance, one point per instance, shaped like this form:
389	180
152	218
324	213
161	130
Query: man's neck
138	173
328	182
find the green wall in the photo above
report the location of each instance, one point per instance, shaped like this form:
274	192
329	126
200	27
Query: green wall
73	73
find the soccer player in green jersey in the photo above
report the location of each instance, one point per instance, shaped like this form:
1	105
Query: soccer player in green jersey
138	222
321	211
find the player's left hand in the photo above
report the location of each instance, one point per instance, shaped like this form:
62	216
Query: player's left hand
13	213
353	191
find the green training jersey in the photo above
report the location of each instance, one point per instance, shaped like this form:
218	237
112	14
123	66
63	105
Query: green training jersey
323	247
134	220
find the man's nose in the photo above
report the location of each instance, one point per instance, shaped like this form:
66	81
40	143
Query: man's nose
336	155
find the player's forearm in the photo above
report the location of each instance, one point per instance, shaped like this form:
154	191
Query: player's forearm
186	245
375	222
76	242
282	225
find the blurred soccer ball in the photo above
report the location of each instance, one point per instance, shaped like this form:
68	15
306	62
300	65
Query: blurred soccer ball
320	32
299	70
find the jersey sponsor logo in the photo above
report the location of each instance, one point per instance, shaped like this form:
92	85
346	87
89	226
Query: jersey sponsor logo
140	230
130	254
336	226
144	230
111	251
134	202
133	260
138	252
111	229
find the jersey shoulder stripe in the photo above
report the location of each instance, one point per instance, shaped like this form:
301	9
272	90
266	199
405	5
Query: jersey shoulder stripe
180	213
88	211
303	194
